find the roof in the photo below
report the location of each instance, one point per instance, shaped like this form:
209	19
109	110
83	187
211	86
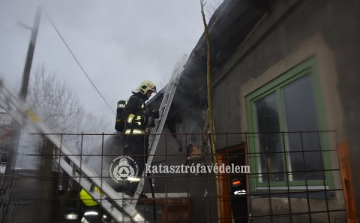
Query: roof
228	28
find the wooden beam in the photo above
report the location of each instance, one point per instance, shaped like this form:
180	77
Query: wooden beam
347	184
221	158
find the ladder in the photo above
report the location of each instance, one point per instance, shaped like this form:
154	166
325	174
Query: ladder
159	123
112	202
121	210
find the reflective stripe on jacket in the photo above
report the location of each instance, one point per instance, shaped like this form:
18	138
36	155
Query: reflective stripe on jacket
134	116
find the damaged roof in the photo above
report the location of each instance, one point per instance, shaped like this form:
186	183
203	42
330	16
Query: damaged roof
229	26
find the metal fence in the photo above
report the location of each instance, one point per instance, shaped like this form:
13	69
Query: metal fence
14	207
267	177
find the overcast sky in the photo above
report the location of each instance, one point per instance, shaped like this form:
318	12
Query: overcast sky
119	43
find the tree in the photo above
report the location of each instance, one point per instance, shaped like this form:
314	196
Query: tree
209	97
87	144
210	7
54	102
61	110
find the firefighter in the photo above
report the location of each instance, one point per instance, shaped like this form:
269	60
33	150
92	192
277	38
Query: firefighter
90	210
137	120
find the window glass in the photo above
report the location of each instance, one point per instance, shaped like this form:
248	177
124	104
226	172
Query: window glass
300	115
269	143
286	116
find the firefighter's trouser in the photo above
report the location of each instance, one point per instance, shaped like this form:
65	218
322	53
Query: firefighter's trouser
138	146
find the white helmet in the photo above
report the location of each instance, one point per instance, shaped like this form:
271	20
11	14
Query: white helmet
146	86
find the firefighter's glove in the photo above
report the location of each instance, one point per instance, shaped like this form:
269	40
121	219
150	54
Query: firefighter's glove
155	114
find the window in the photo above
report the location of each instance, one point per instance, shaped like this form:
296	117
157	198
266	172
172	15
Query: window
287	115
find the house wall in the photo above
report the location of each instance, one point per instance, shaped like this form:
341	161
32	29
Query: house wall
173	151
324	29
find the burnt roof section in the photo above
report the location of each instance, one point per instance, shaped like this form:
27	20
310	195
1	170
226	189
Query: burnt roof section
228	28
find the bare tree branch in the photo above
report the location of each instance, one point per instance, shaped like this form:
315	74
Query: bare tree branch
211	122
210	7
59	107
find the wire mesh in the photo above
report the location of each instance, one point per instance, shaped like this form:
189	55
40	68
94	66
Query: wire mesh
265	177
14	207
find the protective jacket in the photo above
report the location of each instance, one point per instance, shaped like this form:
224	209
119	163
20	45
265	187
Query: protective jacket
87	199
134	115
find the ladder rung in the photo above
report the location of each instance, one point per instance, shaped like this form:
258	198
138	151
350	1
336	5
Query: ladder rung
164	106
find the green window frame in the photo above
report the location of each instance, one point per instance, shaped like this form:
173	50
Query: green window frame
276	88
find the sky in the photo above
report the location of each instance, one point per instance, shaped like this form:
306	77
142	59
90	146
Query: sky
119	43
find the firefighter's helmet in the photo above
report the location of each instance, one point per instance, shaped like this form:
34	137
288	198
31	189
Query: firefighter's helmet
146	86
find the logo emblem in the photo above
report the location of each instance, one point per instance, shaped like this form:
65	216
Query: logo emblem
123	167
